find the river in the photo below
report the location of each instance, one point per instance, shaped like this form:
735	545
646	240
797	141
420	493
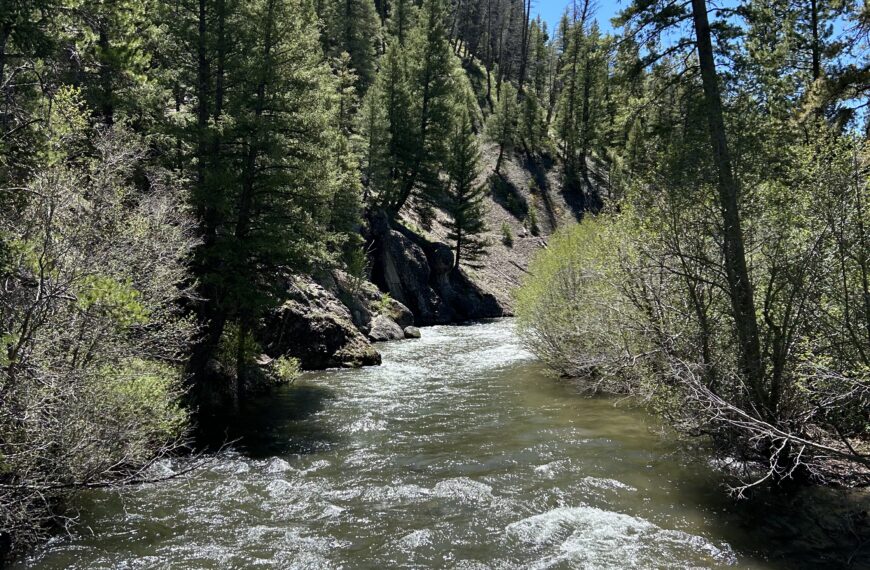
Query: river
459	452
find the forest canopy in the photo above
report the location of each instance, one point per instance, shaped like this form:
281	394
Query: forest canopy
166	167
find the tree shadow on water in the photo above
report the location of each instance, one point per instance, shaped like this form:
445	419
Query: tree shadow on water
283	422
792	528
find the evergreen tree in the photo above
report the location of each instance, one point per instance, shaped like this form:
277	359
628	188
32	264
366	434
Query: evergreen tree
273	170
464	196
533	130
431	86
502	125
580	108
352	26
401	19
389	129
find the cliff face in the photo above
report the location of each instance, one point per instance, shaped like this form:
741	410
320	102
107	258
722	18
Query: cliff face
333	320
419	273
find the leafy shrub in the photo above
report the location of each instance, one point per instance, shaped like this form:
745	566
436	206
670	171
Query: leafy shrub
228	349
507	236
88	395
384	305
286	369
533	222
570	310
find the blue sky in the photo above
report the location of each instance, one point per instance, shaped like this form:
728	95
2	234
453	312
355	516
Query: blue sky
552	10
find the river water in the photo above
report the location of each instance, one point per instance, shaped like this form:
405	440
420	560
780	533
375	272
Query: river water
458	452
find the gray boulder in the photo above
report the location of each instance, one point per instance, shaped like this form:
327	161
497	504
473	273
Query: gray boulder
412	332
385	329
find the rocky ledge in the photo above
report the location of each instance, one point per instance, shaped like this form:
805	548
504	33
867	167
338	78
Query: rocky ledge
333	319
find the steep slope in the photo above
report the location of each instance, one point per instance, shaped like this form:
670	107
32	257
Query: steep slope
525	201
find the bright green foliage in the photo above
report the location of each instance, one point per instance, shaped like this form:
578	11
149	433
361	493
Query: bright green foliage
507	236
464	194
571	310
148	390
286	369
93	340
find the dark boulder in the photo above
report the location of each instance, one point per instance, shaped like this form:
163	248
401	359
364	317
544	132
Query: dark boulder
314	326
420	274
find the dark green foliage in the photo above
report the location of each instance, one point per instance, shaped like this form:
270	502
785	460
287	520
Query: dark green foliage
502	127
352	27
464	194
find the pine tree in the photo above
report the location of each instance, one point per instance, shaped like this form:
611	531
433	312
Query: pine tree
533	130
389	129
464	196
431	87
401	19
502	126
113	43
353	27
276	177
580	108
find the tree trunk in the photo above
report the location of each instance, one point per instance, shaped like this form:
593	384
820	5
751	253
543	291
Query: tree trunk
816	46
107	108
5	32
740	288
211	317
524	47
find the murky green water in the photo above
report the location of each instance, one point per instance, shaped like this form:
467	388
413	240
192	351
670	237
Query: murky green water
456	453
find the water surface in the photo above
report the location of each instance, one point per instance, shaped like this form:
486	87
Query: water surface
458	452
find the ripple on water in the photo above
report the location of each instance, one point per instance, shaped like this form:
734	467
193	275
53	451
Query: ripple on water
588	537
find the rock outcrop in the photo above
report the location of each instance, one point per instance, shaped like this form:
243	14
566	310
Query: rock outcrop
314	326
331	321
420	275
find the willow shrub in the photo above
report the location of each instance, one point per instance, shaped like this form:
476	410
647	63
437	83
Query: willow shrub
572	310
639	301
93	338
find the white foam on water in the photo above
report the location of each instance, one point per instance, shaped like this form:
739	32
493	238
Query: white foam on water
366	424
464	489
608	484
415	539
588	537
277	465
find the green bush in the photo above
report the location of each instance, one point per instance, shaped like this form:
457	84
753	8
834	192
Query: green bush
533	222
571	311
286	369
507	236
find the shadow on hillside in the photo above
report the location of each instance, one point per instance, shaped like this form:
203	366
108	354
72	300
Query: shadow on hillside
508	196
538	167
